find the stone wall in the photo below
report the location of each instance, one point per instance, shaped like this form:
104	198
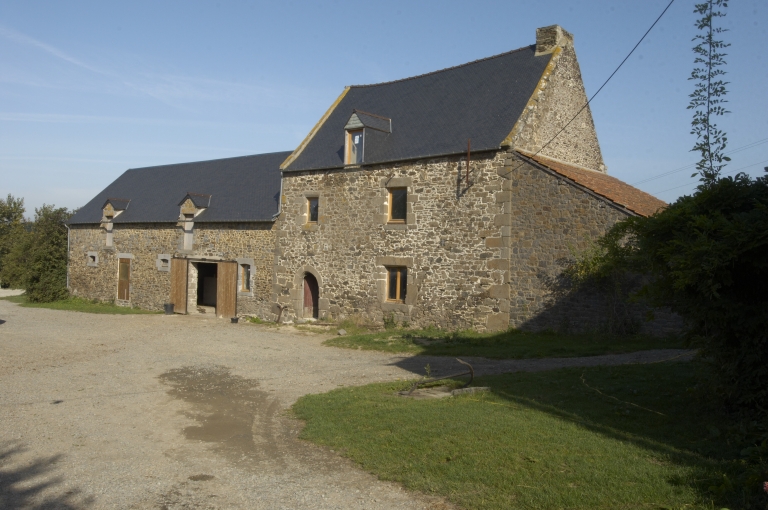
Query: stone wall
451	268
150	284
482	256
552	219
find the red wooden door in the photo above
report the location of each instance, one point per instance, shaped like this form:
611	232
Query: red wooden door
311	296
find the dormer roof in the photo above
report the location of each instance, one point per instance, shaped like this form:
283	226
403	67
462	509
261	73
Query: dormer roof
360	120
118	204
199	200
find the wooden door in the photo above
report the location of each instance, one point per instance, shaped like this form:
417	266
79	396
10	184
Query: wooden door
179	275
124	279
226	290
311	296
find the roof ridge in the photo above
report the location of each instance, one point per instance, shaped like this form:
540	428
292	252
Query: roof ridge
443	70
207	160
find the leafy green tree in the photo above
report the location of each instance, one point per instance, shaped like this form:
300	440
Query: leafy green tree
46	263
13	230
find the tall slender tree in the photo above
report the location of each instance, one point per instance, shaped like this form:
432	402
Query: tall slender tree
708	98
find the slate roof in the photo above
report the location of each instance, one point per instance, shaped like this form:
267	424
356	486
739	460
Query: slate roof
433	114
245	188
604	185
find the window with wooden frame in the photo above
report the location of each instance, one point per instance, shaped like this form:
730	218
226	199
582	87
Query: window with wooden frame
397	281
245	277
312	209
398	205
354	153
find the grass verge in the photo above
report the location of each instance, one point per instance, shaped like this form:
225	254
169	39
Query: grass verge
512	344
598	438
76	304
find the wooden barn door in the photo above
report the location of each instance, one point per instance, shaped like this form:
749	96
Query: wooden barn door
179	270
226	290
124	279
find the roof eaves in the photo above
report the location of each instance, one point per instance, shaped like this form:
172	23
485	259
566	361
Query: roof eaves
386	162
295	154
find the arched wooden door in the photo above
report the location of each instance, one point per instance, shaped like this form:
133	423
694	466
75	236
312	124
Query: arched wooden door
311	295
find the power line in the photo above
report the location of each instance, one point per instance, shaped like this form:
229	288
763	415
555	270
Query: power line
691	165
727	173
606	81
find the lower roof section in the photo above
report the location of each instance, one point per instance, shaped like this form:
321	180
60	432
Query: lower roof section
618	192
241	189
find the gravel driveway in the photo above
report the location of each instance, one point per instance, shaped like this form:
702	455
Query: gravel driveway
155	411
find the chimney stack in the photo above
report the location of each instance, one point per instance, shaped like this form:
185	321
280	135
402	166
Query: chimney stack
551	37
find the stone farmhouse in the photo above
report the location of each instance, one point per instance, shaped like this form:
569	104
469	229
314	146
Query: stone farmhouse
443	199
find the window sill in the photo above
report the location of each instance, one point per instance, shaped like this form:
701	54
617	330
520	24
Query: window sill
311	227
397	226
392	306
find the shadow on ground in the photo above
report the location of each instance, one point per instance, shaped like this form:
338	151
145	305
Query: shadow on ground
23	486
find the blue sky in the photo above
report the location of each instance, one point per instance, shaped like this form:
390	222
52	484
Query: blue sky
90	89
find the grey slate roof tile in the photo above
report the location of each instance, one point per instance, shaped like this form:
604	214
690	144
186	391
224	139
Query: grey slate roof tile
433	114
245	188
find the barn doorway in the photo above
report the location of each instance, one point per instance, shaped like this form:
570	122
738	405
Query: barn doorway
311	296
207	279
124	279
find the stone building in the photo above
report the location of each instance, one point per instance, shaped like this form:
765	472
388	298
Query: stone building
443	199
447	199
199	236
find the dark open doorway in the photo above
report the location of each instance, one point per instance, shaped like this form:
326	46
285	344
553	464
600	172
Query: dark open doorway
311	296
206	283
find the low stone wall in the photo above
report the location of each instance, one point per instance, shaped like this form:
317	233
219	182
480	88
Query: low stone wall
144	243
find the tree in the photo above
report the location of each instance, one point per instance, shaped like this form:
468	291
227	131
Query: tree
12	232
46	263
709	96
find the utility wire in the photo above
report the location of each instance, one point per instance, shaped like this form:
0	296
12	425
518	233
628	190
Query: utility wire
691	165
727	173
606	81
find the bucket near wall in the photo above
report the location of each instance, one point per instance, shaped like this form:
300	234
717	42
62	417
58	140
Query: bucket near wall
234	320
168	308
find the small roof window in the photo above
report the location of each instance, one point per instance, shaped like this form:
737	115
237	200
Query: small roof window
113	207
355	128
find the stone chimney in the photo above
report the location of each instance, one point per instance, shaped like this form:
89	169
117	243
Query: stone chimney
551	37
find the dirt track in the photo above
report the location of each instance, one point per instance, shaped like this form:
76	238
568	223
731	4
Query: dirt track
154	411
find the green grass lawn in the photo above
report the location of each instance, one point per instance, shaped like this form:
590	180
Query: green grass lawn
76	304
508	344
598	438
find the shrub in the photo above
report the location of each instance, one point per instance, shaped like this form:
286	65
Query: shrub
707	259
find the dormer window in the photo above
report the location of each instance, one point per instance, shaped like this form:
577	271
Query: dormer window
361	126
355	147
191	206
111	209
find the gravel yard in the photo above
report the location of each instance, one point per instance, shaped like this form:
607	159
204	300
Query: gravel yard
155	411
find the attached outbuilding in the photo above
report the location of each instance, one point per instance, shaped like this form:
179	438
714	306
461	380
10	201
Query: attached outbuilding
199	236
